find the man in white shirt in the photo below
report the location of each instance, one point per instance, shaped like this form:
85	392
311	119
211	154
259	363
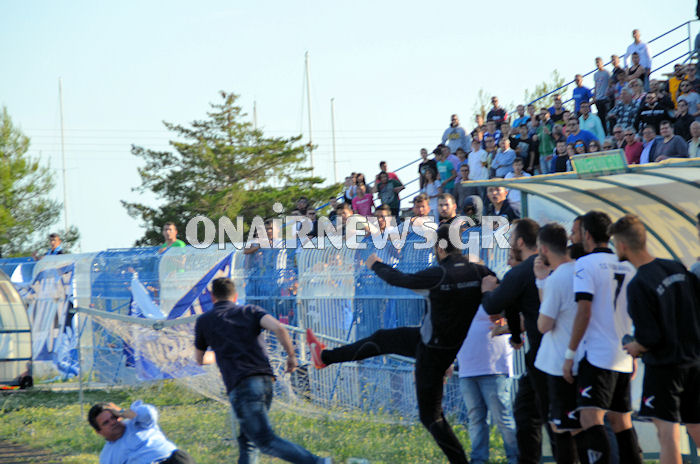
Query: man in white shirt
514	196
605	369
642	49
557	312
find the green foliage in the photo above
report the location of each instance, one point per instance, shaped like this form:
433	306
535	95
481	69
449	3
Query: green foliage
555	81
222	166
26	211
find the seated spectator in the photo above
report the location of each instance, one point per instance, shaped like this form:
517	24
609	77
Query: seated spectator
672	146
565	116
693	151
514	195
619	136
477	162
633	148
363	203
625	112
609	144
523	147
601	93
675	81
683	120
462	157
499	205
479	118
491	150
463	189
133	435
579	147
350	189
662	95
478	135
455	136
576	133
690	96
431	190
388	190
521	119
560	159
360	179
593	147
496	114
636	70
425	165
591	122
650	143
638	93
580	94
651	112
618	78
492	132
557	111
503	161
507	133
450	157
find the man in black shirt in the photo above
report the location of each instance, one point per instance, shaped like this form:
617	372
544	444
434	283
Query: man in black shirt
447	208
663	303
425	165
454	287
234	334
517	294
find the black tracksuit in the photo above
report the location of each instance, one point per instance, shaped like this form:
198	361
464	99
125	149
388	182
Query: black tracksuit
454	287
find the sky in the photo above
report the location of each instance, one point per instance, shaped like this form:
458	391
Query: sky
396	72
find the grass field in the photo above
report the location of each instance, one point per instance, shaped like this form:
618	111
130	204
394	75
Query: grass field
51	420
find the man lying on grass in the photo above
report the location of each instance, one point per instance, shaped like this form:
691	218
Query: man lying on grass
136	440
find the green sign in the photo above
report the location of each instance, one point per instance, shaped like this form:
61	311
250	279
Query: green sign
604	162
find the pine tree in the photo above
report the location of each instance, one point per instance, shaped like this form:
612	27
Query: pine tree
222	166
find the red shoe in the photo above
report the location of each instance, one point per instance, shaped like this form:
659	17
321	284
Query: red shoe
315	347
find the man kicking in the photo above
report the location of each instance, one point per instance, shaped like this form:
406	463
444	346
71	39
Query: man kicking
454	286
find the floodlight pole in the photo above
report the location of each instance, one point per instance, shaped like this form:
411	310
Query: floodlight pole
63	158
308	104
335	161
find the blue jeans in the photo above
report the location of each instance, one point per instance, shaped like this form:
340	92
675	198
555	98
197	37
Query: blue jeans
492	393
251	400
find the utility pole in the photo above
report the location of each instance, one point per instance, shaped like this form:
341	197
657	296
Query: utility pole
335	161
63	156
255	115
308	104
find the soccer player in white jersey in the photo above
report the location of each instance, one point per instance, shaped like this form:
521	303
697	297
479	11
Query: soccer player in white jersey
664	303
605	369
556	319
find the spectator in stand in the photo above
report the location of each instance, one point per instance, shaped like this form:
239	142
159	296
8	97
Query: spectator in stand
349	191
363	203
662	95
169	234
514	196
447	208
507	133
360	179
694	143
485	367
479	118
593	147
633	148
580	93
463	189
609	144
619	136
492	132
579	147
384	221
618	78
313	219
431	190
557	111
523	147
446	172
450	157
625	112
503	161
455	136
496	114
561	158
383	168
640	49
591	122
422	212
601	91
476	160
544	139
531	112
651	113
478	135
462	157
499	204
522	118
672	146
636	70
691	97
675	81
638	93
425	165
576	133
683	120
650	143
333	203
388	190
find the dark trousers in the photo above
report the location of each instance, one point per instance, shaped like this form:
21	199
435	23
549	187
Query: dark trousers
179	457
531	411
431	364
603	106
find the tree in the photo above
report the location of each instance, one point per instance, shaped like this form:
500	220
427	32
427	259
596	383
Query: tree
222	166
26	211
556	81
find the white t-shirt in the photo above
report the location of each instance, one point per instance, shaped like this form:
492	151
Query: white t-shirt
482	354
559	304
476	170
432	190
602	275
514	195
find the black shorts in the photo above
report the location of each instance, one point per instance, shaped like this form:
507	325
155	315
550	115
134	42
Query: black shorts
603	388
672	393
562	403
